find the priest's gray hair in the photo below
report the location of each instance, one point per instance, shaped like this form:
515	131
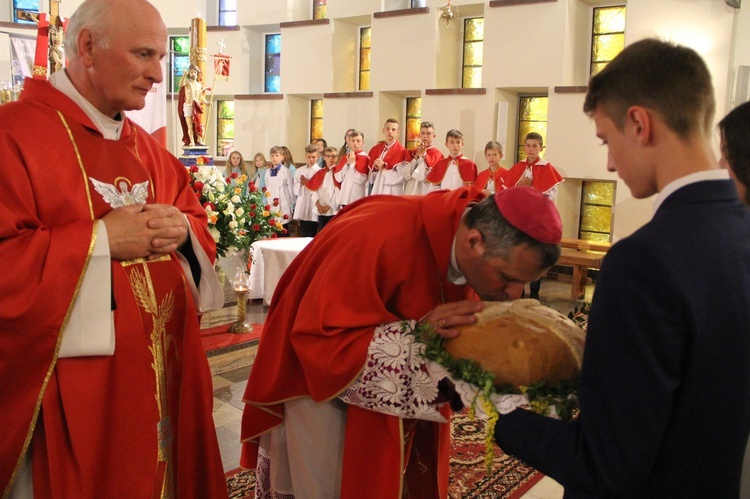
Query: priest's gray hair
500	236
93	15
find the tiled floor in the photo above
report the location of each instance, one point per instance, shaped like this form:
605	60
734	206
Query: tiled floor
229	386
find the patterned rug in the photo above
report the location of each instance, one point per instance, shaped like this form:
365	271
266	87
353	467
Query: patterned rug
509	479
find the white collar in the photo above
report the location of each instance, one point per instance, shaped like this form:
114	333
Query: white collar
454	273
700	176
111	129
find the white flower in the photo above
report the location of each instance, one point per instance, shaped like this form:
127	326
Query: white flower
236	199
233	224
239	211
215	234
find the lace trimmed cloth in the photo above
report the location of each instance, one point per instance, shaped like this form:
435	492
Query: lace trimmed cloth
395	379
398	380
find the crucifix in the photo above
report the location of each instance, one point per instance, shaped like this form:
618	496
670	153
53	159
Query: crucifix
49	40
55	37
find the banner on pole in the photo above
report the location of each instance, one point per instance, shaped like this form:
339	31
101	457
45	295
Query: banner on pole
221	66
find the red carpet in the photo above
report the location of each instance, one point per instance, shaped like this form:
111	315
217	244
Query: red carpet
218	338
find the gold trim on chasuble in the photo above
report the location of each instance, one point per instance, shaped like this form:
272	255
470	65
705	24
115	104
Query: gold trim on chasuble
143	290
92	242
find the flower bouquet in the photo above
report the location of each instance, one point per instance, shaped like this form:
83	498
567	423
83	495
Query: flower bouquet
238	213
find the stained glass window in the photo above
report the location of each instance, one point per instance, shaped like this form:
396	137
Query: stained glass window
365	42
413	121
227	12
319	9
316	120
224	127
473	49
23	7
273	63
179	49
597	210
607	36
532	117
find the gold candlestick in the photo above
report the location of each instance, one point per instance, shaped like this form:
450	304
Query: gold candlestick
241	326
241	285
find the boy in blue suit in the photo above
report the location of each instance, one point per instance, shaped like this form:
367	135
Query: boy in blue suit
665	384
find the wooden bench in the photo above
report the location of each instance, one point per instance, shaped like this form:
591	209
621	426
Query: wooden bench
581	255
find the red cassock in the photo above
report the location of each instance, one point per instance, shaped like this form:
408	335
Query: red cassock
393	156
466	168
545	177
134	424
486	176
322	320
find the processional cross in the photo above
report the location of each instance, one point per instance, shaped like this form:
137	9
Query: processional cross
49	40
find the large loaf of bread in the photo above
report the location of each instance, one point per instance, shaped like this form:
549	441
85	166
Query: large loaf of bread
522	343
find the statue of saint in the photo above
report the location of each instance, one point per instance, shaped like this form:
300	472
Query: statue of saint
190	107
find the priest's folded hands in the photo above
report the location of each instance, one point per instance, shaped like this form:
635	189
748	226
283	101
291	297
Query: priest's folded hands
144	231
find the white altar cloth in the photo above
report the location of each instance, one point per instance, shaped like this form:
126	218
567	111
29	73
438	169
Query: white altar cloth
271	257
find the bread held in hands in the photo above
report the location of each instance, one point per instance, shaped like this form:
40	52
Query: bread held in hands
522	343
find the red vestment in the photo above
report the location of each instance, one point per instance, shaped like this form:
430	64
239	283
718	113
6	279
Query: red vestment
486	176
361	163
322	320
134	424
393	156
317	179
466	168
545	177
431	156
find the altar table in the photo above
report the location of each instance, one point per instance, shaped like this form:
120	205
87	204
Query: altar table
271	257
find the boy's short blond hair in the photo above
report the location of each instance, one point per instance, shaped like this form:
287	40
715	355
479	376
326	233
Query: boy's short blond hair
332	150
277	150
310	148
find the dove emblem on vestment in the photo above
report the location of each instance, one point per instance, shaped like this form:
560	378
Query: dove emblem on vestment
125	196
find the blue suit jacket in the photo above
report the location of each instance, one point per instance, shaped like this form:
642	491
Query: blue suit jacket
665	385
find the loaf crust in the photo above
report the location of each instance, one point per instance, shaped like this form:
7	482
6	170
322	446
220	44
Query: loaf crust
522	343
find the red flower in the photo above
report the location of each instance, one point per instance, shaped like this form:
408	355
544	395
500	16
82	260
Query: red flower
198	186
234	175
194	169
256	228
229	180
267	207
263	189
274	235
286	231
286	217
253	207
275	201
252	214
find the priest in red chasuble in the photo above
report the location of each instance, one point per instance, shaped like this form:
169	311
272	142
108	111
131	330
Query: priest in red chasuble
106	390
339	401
